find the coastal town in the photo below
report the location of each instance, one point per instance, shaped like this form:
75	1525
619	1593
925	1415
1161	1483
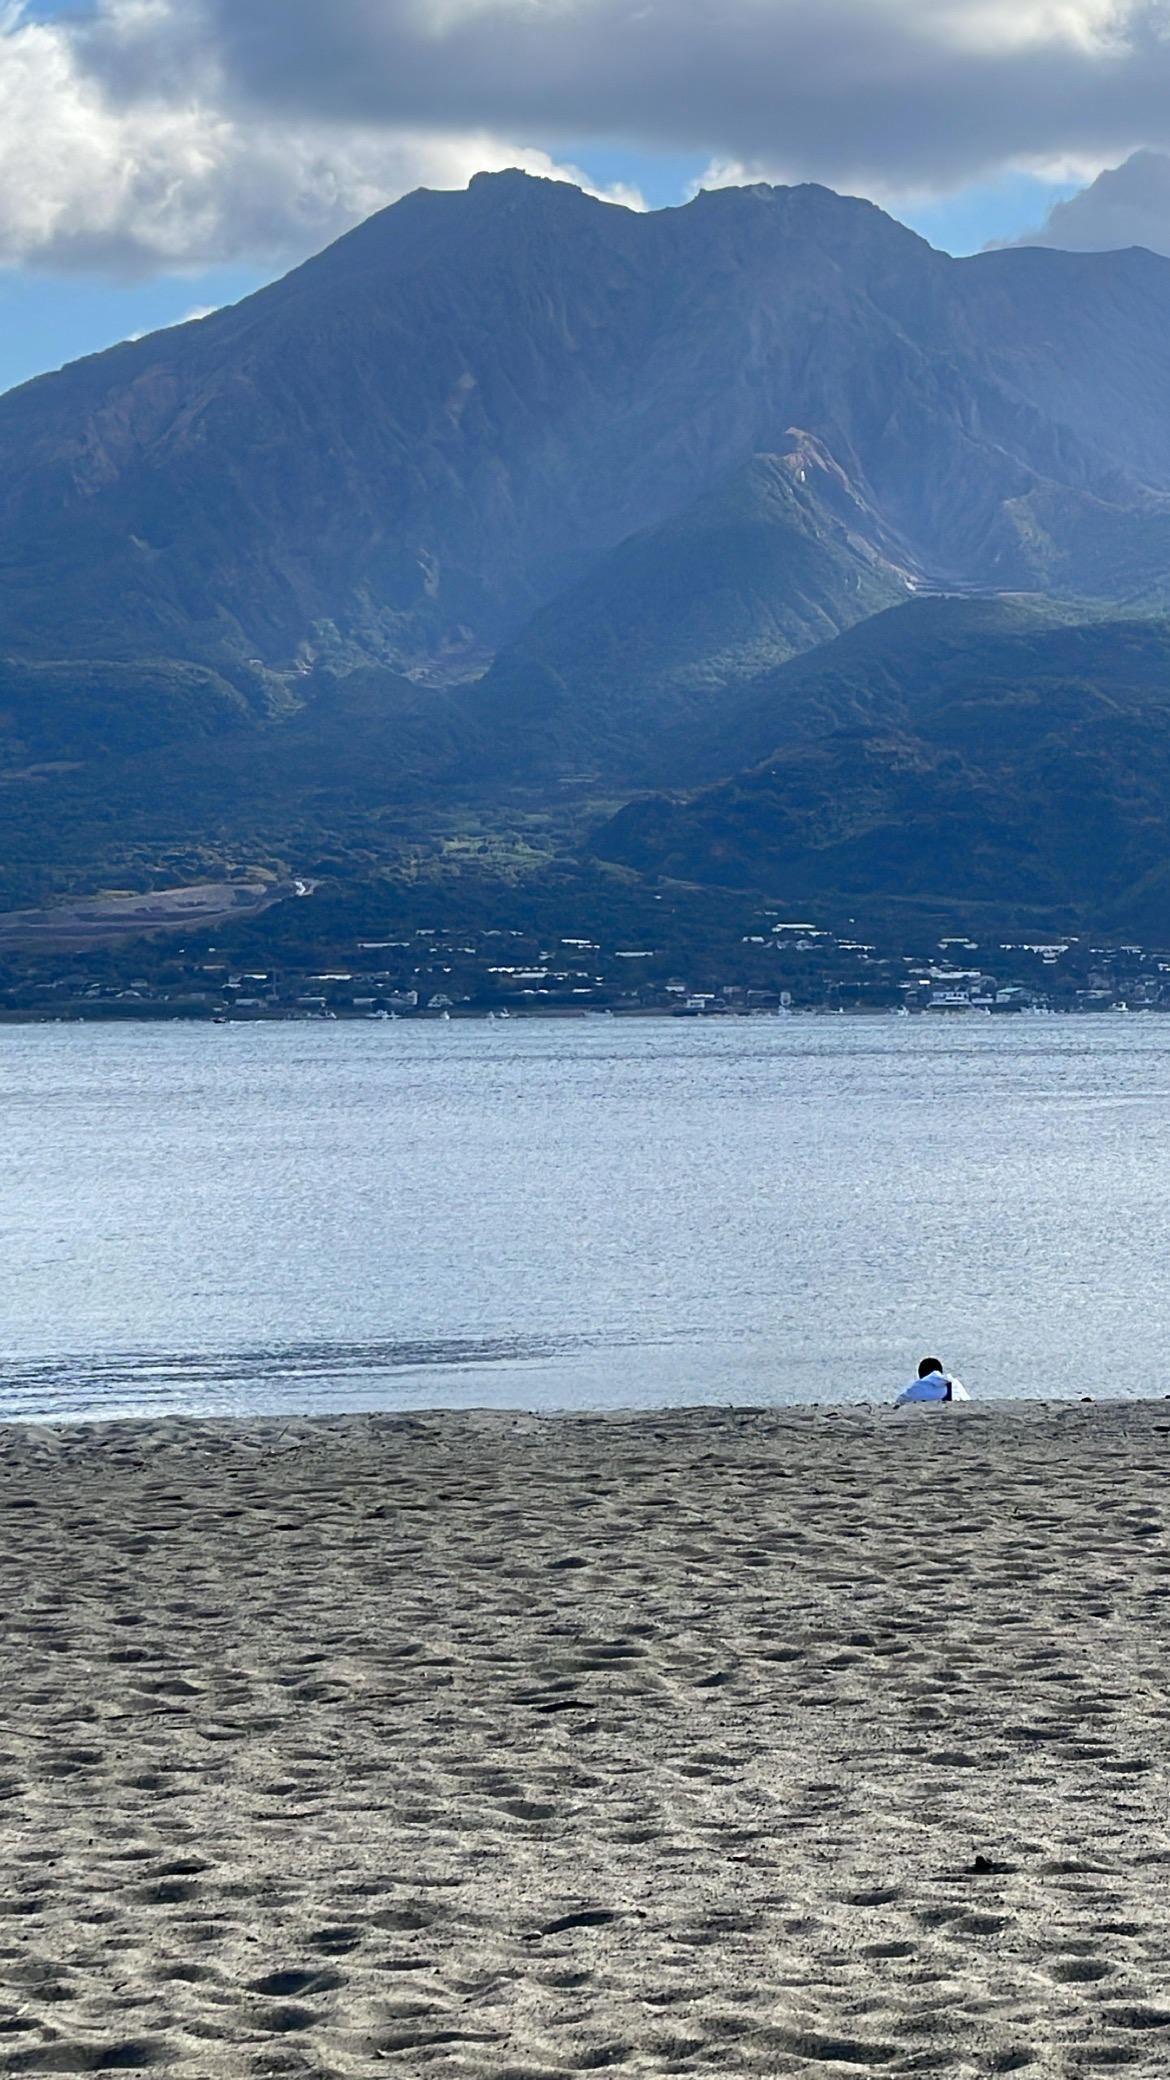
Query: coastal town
783	966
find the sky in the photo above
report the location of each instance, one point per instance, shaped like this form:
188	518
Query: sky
161	157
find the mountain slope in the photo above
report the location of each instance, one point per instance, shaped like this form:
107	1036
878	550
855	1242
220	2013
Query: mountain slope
350	776
777	561
937	753
890	669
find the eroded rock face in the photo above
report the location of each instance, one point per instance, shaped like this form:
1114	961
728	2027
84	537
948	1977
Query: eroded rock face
424	435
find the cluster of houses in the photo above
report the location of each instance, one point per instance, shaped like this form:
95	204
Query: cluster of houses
778	966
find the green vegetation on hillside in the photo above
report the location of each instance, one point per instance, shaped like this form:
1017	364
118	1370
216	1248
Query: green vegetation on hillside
971	752
603	680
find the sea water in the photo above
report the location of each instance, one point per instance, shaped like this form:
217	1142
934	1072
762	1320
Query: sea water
600	1213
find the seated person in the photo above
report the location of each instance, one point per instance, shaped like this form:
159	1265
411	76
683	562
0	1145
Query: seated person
933	1384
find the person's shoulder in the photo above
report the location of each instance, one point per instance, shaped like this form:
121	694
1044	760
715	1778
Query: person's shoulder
959	1391
931	1388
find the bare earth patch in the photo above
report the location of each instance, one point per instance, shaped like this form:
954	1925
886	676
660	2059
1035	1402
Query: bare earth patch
96	920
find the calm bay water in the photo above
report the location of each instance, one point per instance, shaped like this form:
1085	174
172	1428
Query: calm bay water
598	1214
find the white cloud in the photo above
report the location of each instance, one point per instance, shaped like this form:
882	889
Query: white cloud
1095	26
176	174
163	134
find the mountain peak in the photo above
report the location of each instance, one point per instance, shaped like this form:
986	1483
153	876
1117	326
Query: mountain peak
513	180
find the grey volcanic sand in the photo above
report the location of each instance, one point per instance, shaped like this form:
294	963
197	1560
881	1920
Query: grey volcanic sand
688	1743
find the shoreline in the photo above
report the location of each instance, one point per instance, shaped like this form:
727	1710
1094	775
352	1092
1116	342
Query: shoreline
487	1414
162	1014
762	1742
308	1424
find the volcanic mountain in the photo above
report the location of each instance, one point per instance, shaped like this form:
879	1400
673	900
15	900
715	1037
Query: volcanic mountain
515	487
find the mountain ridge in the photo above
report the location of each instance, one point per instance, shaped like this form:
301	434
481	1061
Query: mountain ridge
379	458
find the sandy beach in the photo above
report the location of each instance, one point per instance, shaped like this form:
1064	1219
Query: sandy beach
705	1742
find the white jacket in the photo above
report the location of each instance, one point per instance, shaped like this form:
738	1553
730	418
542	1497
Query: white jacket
937	1386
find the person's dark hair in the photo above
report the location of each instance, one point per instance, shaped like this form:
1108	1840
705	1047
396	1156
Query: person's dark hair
928	1366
